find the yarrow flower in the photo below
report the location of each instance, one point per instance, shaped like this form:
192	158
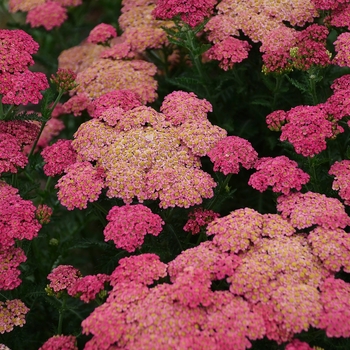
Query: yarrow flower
13	314
308	209
129	224
191	12
81	184
58	157
88	287
199	218
341	183
63	277
50	14
230	152
296	344
228	52
43	214
342	47
280	172
60	342
102	33
276	120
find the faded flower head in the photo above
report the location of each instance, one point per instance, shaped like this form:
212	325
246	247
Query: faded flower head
13	314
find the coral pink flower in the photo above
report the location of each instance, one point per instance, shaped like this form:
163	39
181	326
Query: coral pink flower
12	314
16	49
192	12
129	224
17	219
10	259
332	247
335	298
230	152
60	342
341	183
81	184
58	157
88	287
342	47
308	209
328	4
11	155
228	52
63	277
280	172
77	104
276	119
24	131
296	344
102	33
49	15
339	17
144	269
199	218
21	88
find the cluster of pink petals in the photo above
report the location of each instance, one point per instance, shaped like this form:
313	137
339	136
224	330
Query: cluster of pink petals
191	12
276	119
342	47
335	297
63	277
11	155
231	152
308	209
296	344
25	132
129	224
82	183
58	157
16	50
64	79
50	14
199	218
21	88
280	172
124	99
328	4
60	342
236	231
52	128
10	259
341	183
332	247
101	33
141	269
307	129
88	287
12	314
17	219
181	106
77	104
339	17
228	52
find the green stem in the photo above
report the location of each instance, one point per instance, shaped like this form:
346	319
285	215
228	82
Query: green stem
313	91
47	183
313	174
221	186
171	229
279	80
61	312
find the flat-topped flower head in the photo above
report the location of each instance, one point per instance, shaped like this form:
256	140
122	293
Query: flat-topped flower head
342	47
236	231
191	12
16	50
180	106
50	14
199	218
58	157
229	52
341	183
63	277
60	342
307	209
231	152
129	224
280	172
101	34
81	184
13	314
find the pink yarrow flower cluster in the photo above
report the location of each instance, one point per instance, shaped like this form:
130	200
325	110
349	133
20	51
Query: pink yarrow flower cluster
191	12
129	224
341	183
60	342
228	52
13	314
102	33
342	47
231	152
280	172
308	209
